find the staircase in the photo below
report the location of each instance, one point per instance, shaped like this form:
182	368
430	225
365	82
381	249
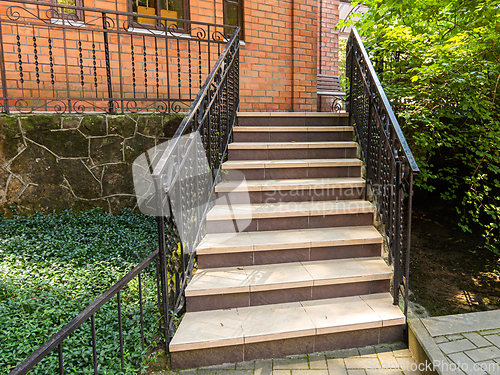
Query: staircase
306	275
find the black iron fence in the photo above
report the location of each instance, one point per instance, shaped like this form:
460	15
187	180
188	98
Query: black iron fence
390	166
212	116
75	59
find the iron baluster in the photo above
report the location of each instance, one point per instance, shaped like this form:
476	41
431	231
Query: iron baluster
145	66
3	74
157	70
133	63
51	64
80	60
94	343
61	359
179	68
94	64
120	329
108	65
35	55
189	67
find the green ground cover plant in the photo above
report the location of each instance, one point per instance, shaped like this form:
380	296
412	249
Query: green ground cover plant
53	266
439	62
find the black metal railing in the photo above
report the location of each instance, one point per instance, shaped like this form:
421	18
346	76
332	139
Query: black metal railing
192	176
390	166
212	115
75	59
89	313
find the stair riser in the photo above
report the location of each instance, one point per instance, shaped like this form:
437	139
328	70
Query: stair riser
299	136
285	347
297	195
293	154
254	258
228	301
289	173
294	121
297	222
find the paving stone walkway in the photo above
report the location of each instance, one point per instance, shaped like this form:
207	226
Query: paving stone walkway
387	359
463	344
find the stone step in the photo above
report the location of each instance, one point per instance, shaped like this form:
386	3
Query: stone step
292	119
291	190
291	150
303	168
292	133
247	333
229	287
288	246
288	215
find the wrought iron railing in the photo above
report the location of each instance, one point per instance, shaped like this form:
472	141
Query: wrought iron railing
185	180
89	313
212	116
75	59
390	166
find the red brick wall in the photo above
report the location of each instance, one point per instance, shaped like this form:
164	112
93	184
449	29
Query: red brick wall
328	45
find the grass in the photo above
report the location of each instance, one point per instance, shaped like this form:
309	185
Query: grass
53	266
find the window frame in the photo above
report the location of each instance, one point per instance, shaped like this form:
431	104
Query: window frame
239	4
79	13
185	9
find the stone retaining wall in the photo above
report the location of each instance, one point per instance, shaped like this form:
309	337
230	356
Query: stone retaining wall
55	162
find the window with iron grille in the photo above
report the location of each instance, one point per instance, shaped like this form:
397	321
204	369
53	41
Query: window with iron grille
69	14
233	15
163	8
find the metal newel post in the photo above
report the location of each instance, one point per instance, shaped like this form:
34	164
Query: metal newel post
397	232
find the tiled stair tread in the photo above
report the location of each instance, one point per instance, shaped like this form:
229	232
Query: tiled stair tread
299	163
243	279
219	328
288	184
288	209
292	114
287	239
290	145
281	129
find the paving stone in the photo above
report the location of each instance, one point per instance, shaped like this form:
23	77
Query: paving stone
384	372
407	364
204	371
291	363
490	332
336	366
263	367
235	372
367	351
402	353
282	372
466	364
491	367
356	372
361	363
388	360
310	372
317	361
456	346
476	339
248	365
383	348
484	354
190	371
494	339
397	345
440	339
454	337
345	353
224	366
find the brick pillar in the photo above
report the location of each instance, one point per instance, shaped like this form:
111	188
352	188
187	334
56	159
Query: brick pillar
328	45
304	54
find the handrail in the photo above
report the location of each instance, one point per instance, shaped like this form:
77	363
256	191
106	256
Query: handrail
387	105
81	318
389	162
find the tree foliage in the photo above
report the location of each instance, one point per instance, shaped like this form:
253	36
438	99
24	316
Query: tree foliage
440	66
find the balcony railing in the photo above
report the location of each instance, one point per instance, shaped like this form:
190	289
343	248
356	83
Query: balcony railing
390	166
73	59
